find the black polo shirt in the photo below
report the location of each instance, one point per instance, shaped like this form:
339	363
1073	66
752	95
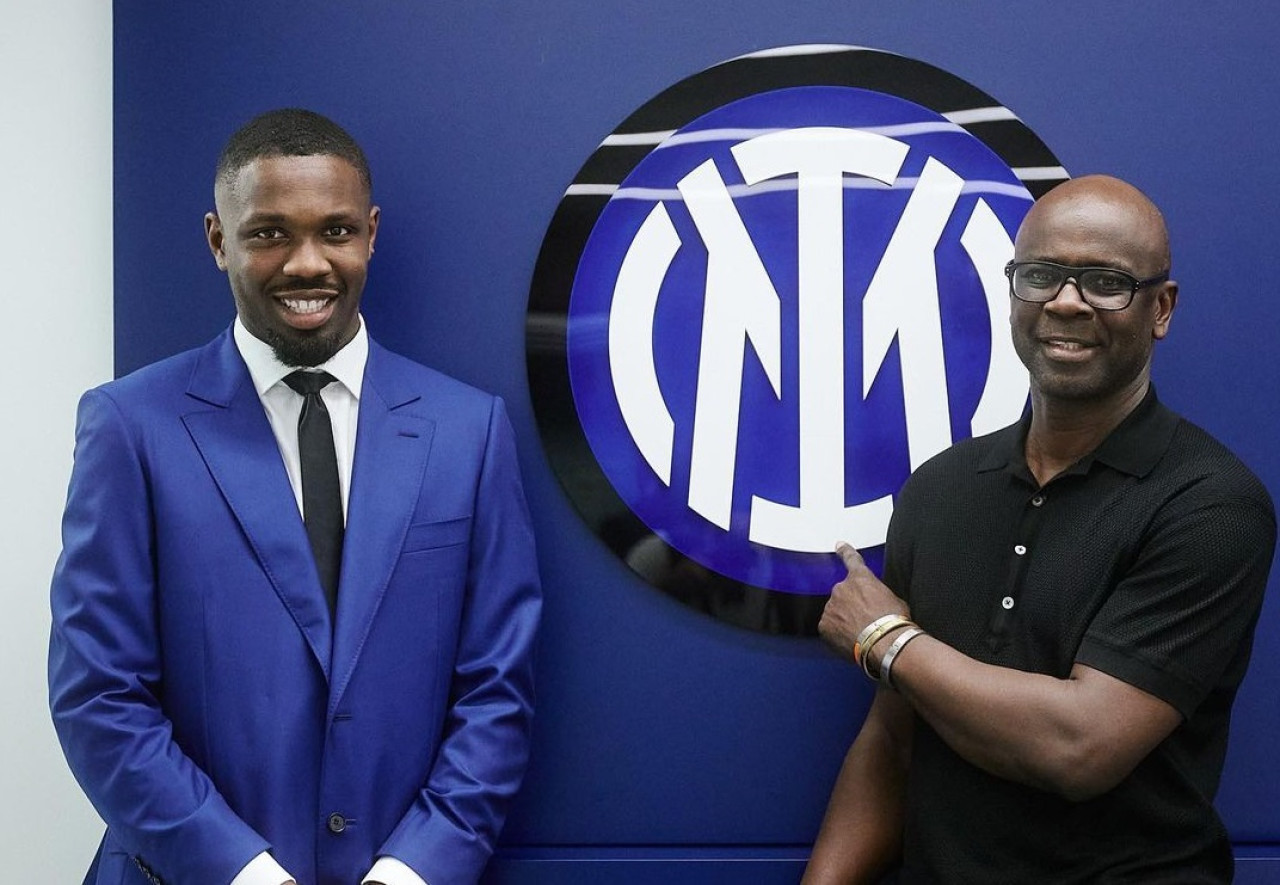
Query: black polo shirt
1147	560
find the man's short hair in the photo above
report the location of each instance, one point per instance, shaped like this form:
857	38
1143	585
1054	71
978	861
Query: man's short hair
290	132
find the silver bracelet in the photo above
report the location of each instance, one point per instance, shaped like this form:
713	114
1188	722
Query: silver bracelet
886	665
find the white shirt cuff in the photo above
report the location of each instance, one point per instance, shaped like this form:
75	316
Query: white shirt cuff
389	871
262	870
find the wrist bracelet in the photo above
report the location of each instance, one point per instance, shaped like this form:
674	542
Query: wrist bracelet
886	665
860	644
897	622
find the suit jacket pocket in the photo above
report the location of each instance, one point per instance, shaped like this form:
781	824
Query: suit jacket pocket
433	535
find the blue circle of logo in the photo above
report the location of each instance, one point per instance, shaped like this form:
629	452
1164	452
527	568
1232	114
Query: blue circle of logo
785	307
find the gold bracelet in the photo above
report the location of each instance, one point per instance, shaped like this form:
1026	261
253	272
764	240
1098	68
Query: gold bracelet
859	644
886	665
895	623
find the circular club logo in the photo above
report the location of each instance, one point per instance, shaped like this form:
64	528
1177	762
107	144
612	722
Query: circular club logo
770	295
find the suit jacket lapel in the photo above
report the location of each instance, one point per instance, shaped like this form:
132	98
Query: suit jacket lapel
236	442
392	444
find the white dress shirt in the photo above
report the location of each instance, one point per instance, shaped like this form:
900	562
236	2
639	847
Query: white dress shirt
283	406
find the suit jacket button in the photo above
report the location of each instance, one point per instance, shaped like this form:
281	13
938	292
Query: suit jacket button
337	823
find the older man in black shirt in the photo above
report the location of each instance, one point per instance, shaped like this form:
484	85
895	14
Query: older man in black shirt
1070	602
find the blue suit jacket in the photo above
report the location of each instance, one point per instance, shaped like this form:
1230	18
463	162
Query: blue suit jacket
205	701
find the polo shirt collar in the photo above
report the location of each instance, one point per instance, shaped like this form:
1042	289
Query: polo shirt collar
1134	447
1141	439
1008	446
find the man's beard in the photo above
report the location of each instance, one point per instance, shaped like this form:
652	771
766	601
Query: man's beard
305	351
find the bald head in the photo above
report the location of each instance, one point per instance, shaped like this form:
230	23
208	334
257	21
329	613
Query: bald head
1101	215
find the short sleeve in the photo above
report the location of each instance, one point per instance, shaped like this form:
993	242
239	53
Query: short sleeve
1185	610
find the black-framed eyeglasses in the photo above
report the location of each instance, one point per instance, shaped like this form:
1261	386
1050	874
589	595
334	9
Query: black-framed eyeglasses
1102	288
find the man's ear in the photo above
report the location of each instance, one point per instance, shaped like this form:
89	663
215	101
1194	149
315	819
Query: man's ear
375	215
213	235
1166	301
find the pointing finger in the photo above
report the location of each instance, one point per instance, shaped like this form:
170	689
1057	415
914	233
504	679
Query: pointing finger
849	554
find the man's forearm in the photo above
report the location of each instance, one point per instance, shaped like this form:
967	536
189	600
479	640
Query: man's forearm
861	834
1077	736
105	662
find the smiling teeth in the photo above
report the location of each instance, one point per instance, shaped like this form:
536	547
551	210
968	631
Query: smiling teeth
305	305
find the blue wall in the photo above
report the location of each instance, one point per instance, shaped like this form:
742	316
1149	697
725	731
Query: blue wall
670	747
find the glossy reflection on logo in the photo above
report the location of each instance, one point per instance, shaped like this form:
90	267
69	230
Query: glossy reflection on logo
768	296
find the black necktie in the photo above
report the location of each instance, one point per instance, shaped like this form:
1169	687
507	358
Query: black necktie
321	493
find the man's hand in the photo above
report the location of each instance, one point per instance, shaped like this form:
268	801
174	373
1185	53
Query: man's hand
855	602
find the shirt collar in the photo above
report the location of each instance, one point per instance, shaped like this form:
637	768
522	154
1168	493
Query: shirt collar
1134	447
266	370
1140	441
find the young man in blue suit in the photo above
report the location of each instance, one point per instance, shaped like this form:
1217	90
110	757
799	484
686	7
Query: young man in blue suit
246	695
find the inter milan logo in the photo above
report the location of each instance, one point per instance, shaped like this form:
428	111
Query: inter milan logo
785	304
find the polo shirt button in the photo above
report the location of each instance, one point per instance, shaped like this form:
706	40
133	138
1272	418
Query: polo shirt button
337	823
1037	500
1020	550
1007	602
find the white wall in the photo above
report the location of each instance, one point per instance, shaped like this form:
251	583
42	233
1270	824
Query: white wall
55	271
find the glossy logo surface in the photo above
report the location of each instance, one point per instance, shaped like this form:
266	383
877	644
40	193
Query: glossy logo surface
785	305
